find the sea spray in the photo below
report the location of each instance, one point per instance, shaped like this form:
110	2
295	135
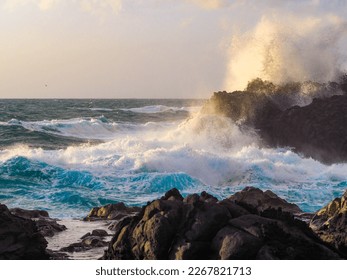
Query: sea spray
287	48
143	161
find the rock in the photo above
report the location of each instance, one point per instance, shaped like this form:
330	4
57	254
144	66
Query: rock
257	201
88	241
57	255
247	107
99	232
314	127
46	225
330	223
20	238
317	130
235	244
201	227
111	212
29	214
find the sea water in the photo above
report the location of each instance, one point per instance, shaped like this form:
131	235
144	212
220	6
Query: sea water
67	156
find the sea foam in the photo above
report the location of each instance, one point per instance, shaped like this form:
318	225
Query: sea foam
202	153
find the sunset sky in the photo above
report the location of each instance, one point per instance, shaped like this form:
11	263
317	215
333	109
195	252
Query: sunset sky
149	48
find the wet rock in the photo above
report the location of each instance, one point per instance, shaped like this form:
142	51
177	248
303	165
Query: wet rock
96	232
20	238
201	227
88	241
111	212
317	130
46	225
313	126
257	201
29	214
232	243
57	255
330	223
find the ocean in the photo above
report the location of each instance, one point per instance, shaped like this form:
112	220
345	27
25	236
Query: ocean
67	156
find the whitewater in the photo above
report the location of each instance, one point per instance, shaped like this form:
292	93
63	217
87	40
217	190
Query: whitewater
67	156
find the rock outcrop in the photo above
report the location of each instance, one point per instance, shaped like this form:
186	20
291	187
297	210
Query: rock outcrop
201	227
330	223
90	240
20	238
46	225
256	200
111	212
316	129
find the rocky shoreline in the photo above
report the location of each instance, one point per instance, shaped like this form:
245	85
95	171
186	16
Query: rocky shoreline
251	224
311	123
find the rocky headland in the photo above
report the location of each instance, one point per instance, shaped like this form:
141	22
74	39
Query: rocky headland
308	117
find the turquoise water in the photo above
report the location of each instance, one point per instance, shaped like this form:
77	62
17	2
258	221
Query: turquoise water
66	156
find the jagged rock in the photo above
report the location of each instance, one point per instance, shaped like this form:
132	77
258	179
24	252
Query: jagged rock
248	107
19	238
255	199
57	255
330	223
201	227
314	128
317	130
29	214
88	241
111	212
96	232
46	225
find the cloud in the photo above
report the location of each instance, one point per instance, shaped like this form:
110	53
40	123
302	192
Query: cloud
41	4
95	7
211	4
99	7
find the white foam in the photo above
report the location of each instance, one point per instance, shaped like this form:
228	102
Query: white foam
154	109
87	128
209	148
101	109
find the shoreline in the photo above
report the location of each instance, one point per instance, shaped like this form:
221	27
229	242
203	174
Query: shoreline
252	220
77	228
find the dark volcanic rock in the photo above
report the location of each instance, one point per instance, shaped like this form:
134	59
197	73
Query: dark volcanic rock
19	238
111	212
88	241
201	227
46	225
252	108
330	223
255	199
29	214
316	129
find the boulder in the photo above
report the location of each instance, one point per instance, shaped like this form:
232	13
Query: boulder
111	212
257	201
88	241
20	238
201	227
330	223
46	225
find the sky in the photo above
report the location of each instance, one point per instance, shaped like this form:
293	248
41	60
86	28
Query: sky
163	48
